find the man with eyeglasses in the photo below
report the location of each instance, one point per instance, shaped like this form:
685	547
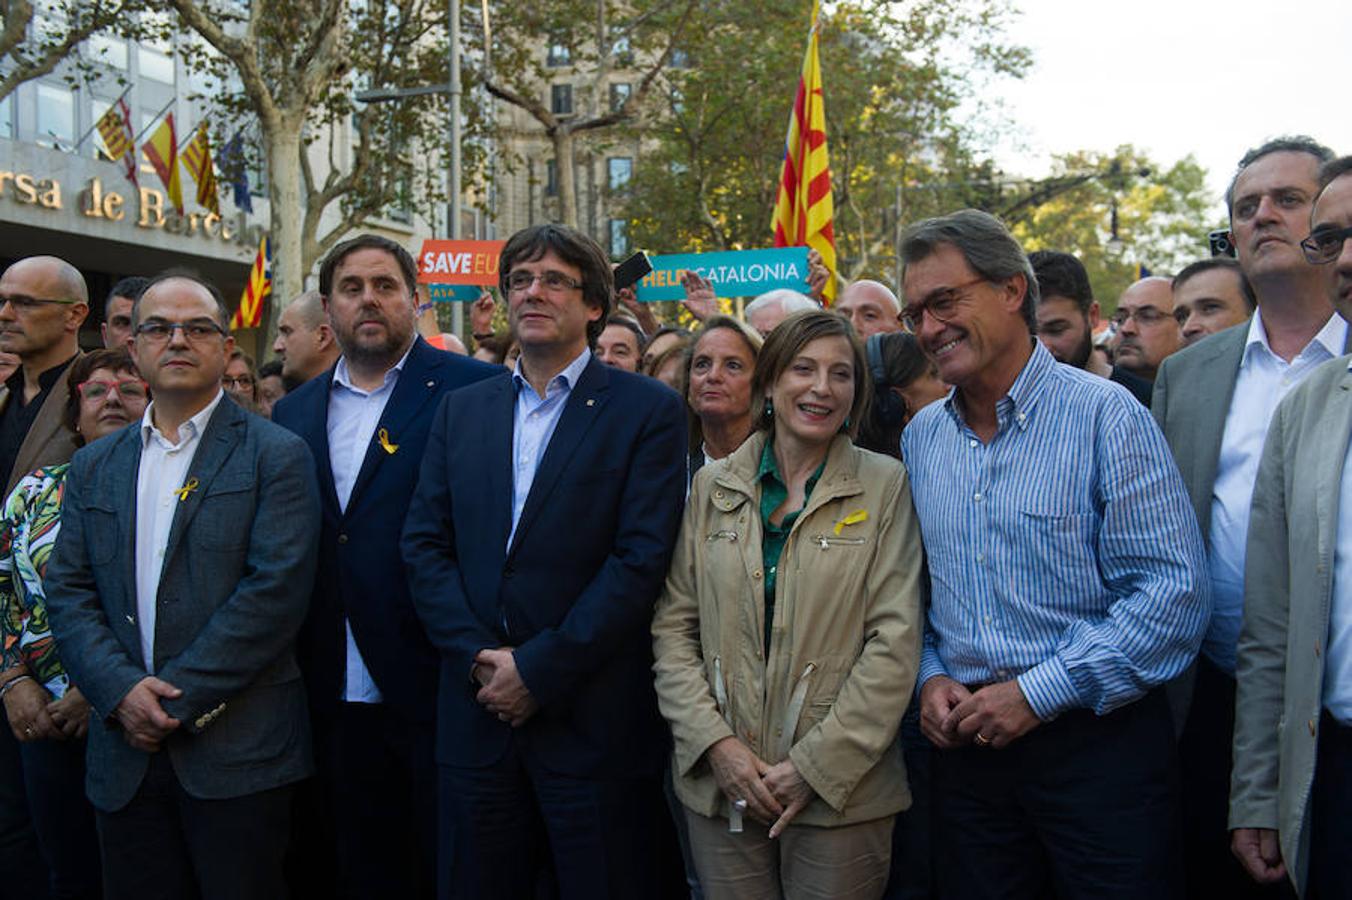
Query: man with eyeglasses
1292	781
186	650
1067	585
1214	401
370	671
43	302
1147	332
537	543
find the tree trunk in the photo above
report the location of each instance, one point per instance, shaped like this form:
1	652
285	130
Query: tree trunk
283	142
566	174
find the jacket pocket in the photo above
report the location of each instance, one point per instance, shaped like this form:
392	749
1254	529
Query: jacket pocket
224	521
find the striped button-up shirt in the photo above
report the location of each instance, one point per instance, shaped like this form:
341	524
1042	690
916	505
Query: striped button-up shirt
1064	553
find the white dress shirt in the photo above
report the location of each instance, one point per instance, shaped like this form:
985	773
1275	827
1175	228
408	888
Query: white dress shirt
1264	379
534	424
353	416
1338	659
160	481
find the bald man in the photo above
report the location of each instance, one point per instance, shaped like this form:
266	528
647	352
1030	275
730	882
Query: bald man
43	301
1147	332
773	307
305	343
871	307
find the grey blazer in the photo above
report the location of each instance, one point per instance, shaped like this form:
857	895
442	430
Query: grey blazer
1288	588
234	589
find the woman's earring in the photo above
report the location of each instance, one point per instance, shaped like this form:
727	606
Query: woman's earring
769	409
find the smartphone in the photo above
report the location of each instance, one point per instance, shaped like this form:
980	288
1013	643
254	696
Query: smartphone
631	270
1220	243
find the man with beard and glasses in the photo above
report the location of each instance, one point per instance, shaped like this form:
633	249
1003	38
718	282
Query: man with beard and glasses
1067	315
370	670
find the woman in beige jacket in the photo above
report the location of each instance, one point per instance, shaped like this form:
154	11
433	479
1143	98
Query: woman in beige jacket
788	636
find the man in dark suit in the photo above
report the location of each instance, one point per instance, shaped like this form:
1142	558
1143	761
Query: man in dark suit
537	543
174	595
370	671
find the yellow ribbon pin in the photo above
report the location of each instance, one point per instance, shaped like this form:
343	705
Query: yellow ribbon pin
854	518
385	442
188	488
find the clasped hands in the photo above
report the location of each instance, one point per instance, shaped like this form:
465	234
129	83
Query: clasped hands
994	716
144	722
34	716
774	794
501	690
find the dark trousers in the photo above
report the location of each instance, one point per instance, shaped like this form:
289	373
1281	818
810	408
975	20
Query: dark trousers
1084	806
381	781
517	831
167	845
1206	756
54	779
25	872
909	877
1330	873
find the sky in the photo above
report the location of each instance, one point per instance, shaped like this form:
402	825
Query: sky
1176	77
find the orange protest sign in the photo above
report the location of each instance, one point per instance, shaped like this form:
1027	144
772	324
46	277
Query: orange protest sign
459	262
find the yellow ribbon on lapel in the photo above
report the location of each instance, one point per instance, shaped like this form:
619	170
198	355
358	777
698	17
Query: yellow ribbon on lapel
854	518
189	486
385	442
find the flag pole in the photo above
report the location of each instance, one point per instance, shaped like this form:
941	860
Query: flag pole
163	109
85	137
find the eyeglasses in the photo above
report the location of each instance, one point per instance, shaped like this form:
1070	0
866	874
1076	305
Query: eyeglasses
127	388
243	381
942	304
1145	316
1325	245
22	305
157	331
551	281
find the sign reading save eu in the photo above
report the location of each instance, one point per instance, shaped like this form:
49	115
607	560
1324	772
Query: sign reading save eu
459	262
733	273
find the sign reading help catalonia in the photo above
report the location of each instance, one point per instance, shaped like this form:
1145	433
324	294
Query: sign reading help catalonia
733	273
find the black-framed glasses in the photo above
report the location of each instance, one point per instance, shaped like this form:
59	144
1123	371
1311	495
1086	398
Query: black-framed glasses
127	388
554	282
243	382
1324	245
941	304
158	331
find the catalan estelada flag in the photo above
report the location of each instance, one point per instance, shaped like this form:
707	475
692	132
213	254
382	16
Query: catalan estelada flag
162	151
250	311
115	129
803	210
197	159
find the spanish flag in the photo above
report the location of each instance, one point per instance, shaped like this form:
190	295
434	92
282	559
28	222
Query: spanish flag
250	311
162	151
803	211
197	158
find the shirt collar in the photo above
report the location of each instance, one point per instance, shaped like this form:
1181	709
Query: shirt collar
567	379
1331	337
1018	403
45	380
195	425
769	467
342	378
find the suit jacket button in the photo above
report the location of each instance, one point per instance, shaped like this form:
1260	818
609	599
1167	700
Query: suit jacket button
342	539
201	722
1312	728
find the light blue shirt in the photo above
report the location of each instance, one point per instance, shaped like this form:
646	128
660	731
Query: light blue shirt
534	424
353	416
1338	661
1264	379
1065	552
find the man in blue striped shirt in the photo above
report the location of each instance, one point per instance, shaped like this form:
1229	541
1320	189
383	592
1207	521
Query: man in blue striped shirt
1068	582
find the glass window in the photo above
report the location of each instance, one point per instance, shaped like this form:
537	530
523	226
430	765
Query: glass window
561	99
619	93
155	65
620	48
111	51
679	59
551	178
7	117
619	238
559	54
56	115
619	169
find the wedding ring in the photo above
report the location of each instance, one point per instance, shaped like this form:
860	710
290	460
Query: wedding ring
981	739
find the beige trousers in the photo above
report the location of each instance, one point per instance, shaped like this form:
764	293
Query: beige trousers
845	863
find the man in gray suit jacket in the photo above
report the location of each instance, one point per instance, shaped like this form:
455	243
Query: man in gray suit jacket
176	589
1213	401
1292	783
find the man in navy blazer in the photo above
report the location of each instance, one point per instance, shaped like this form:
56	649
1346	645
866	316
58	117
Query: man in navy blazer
369	669
173	592
536	550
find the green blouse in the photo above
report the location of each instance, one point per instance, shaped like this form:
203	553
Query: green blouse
773	494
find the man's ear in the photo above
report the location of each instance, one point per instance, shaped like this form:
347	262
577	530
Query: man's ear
1093	315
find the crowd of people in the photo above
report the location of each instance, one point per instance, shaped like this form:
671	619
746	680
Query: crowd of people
960	595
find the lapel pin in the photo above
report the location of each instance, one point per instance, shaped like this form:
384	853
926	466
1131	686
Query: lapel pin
854	518
431	384
188	487
385	442
591	402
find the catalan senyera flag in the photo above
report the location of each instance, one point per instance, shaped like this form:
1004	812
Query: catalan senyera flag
115	129
256	290
197	160
803	210
162	151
